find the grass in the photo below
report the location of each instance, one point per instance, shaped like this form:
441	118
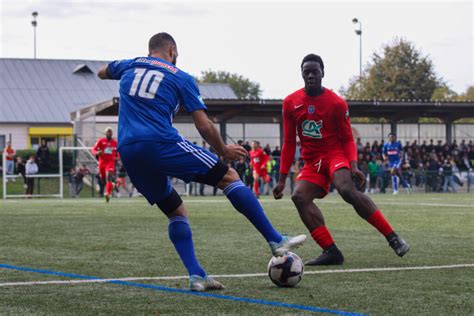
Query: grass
128	238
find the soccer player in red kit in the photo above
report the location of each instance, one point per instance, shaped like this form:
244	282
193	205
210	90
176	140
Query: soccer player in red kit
321	120
258	161
106	149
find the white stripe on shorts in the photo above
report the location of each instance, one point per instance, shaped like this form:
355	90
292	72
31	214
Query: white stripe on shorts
195	154
199	152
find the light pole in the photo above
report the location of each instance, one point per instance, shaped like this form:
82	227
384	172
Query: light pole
359	33
35	24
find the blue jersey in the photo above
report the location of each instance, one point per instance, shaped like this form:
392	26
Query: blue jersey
151	93
392	150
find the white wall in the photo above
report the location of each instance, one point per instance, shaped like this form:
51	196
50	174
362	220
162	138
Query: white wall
19	134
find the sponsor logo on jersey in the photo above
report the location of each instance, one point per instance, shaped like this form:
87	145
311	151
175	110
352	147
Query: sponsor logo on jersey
311	109
312	129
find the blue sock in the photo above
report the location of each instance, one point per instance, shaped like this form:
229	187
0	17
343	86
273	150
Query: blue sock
245	202
395	183
180	234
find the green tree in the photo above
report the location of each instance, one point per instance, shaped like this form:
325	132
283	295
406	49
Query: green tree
243	87
444	93
399	72
468	95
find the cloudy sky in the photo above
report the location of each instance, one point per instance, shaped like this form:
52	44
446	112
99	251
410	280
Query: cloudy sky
264	41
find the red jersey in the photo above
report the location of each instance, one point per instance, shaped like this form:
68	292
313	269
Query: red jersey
108	149
258	158
323	126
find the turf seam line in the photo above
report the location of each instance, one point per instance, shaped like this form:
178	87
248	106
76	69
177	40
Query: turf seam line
186	292
243	275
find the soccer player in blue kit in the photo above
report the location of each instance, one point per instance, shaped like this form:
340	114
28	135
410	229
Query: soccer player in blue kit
393	150
152	90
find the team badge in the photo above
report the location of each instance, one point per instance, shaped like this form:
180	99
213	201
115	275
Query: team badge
346	115
312	129
311	109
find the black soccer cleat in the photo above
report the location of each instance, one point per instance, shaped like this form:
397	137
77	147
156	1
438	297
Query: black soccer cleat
329	257
400	246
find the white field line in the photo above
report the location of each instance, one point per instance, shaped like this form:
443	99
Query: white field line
469	204
245	275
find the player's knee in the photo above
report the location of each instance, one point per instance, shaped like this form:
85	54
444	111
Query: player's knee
347	192
299	198
230	176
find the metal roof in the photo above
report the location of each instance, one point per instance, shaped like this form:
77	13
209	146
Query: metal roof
48	90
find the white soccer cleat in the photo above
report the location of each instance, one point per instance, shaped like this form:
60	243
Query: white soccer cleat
286	244
202	284
395	192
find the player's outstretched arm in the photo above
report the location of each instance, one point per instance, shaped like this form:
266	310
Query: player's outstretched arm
103	73
211	135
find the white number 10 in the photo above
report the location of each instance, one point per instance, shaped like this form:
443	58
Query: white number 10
147	90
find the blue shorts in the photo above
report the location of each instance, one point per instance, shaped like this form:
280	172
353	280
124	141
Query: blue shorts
149	165
394	164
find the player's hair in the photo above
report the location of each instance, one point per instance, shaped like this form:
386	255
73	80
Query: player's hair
390	134
160	41
313	57
108	129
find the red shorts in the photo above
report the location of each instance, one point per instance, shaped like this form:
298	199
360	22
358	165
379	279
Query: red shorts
320	169
261	172
104	168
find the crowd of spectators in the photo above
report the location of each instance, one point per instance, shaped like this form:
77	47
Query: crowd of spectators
429	166
436	167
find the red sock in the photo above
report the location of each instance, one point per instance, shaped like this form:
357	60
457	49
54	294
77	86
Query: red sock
322	237
256	187
378	221
108	188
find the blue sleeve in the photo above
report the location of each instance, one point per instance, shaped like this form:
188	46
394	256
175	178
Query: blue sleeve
116	68
191	96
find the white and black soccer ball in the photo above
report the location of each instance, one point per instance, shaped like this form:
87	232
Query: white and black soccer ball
286	271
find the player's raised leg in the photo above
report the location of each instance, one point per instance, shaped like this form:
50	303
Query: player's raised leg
366	208
303	198
245	202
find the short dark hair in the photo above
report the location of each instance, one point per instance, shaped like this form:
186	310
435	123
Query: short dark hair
392	134
313	57
160	41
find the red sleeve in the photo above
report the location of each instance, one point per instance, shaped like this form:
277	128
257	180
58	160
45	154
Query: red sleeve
345	131
289	138
96	147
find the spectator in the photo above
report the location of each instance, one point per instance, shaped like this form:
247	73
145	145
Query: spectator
80	174
31	169
360	147
430	147
374	169
241	168
20	170
384	175
267	150
433	167
42	155
448	175
9	154
277	152
247	146
72	182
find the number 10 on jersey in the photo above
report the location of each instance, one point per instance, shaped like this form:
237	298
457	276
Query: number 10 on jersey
149	82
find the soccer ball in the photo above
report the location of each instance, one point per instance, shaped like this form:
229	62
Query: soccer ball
286	271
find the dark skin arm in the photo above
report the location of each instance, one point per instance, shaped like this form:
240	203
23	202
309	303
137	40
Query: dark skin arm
357	173
211	135
102	73
278	191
